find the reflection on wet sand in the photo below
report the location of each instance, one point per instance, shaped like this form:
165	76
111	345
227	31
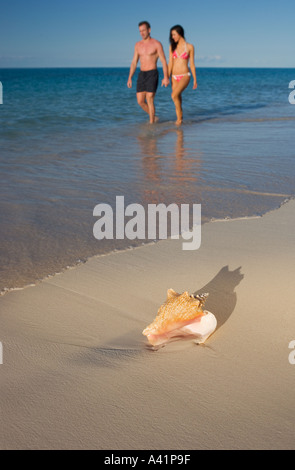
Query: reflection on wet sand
169	177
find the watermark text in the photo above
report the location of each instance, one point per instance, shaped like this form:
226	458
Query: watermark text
1	93
292	94
292	353
153	225
1	353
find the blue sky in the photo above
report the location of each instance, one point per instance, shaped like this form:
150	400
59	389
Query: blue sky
100	33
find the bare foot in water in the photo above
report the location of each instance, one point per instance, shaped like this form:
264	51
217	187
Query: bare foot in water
178	123
156	119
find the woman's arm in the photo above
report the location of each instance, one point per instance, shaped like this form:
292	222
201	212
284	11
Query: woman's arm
192	65
170	64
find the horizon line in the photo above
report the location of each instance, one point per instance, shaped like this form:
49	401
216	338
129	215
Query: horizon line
128	67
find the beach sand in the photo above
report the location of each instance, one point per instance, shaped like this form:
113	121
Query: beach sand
77	373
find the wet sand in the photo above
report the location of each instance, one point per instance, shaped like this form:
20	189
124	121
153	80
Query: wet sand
77	373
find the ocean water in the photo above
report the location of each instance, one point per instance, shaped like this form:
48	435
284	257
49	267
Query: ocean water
74	138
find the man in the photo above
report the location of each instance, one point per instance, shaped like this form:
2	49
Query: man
148	50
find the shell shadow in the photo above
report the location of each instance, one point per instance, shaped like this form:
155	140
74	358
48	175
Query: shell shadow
112	353
222	296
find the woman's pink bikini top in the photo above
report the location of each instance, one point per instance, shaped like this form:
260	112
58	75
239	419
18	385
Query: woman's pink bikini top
184	55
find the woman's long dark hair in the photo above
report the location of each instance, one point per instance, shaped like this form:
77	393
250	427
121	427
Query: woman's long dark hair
179	29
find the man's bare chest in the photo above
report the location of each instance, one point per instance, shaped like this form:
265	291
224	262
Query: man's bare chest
147	50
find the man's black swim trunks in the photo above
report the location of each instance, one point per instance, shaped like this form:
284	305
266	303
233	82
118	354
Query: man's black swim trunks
147	81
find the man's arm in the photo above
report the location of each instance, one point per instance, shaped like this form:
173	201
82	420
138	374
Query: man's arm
133	67
162	58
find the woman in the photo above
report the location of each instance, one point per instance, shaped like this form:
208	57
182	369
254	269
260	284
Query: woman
180	54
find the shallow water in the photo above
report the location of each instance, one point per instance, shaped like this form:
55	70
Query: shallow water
74	138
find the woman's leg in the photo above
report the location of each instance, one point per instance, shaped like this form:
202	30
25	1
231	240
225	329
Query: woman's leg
177	89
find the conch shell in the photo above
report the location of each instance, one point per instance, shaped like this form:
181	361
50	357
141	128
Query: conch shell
181	315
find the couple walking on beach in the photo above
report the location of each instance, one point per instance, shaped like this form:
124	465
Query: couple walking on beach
147	51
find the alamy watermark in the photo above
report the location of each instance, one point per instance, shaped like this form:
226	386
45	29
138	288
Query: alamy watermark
149	226
1	93
292	353
292	94
1	353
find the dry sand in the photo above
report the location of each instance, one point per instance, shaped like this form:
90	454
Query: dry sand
77	374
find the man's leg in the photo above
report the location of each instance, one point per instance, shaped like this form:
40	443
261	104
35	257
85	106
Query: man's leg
141	101
151	106
146	101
